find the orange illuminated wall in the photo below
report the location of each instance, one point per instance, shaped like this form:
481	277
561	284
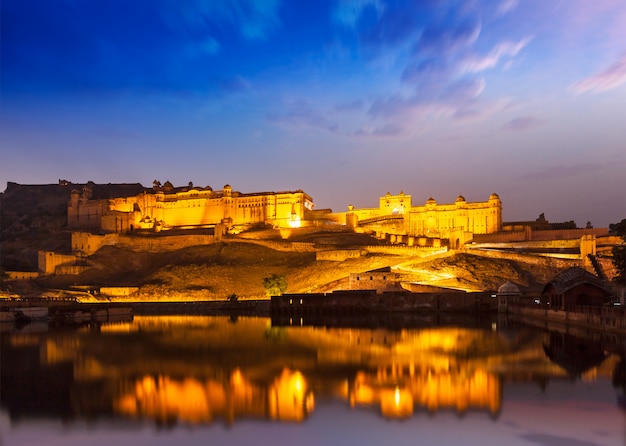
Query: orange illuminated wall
163	209
433	219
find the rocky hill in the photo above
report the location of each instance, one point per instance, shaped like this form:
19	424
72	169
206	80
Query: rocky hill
34	218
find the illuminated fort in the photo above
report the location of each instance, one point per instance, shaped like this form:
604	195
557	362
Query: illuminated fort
448	221
168	207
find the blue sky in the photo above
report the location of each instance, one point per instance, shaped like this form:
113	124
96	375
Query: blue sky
345	99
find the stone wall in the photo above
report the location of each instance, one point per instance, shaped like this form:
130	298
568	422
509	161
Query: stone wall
88	243
421	251
70	270
22	275
118	291
163	243
526	258
529	235
48	261
351	302
339	255
601	318
374	280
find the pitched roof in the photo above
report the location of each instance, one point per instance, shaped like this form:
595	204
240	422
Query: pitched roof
573	277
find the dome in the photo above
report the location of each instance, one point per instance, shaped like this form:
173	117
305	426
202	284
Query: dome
494	196
509	289
431	200
460	198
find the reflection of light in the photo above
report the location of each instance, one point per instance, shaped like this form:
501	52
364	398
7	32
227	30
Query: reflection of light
396	403
236	379
295	221
289	397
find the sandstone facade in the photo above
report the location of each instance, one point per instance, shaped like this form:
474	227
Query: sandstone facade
164	208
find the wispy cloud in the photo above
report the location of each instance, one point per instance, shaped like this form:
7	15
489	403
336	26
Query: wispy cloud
443	40
475	64
557	172
444	98
507	6
302	114
383	131
254	19
522	123
611	77
348	12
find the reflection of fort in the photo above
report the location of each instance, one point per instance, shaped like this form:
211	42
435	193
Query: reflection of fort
191	400
205	369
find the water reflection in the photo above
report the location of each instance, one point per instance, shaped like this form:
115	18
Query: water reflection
198	370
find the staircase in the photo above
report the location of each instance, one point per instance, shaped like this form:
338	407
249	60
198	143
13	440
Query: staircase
597	267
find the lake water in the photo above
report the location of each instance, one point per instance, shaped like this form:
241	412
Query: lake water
206	380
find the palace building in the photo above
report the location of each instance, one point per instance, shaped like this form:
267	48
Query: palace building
396	214
166	207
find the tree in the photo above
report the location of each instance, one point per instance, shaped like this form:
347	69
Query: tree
233	298
619	251
275	285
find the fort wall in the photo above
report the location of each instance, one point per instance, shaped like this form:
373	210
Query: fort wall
374	280
527	258
421	251
48	261
22	275
363	301
528	235
70	270
339	255
88	244
119	291
166	243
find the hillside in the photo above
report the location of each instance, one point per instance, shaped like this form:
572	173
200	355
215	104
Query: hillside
34	218
216	271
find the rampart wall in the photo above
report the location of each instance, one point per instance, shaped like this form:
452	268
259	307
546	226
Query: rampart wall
88	243
422	251
70	270
48	261
164	243
119	291
281	245
22	275
339	255
528	235
527	258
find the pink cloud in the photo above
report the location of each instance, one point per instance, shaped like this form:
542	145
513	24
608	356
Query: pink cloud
523	123
504	49
611	77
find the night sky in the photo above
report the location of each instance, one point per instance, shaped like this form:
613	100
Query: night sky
346	100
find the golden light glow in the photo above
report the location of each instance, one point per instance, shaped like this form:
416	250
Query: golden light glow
289	397
295	221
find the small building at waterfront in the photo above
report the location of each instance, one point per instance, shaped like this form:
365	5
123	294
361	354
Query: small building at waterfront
573	287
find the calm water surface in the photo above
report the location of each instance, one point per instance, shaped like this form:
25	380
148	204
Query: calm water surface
200	380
